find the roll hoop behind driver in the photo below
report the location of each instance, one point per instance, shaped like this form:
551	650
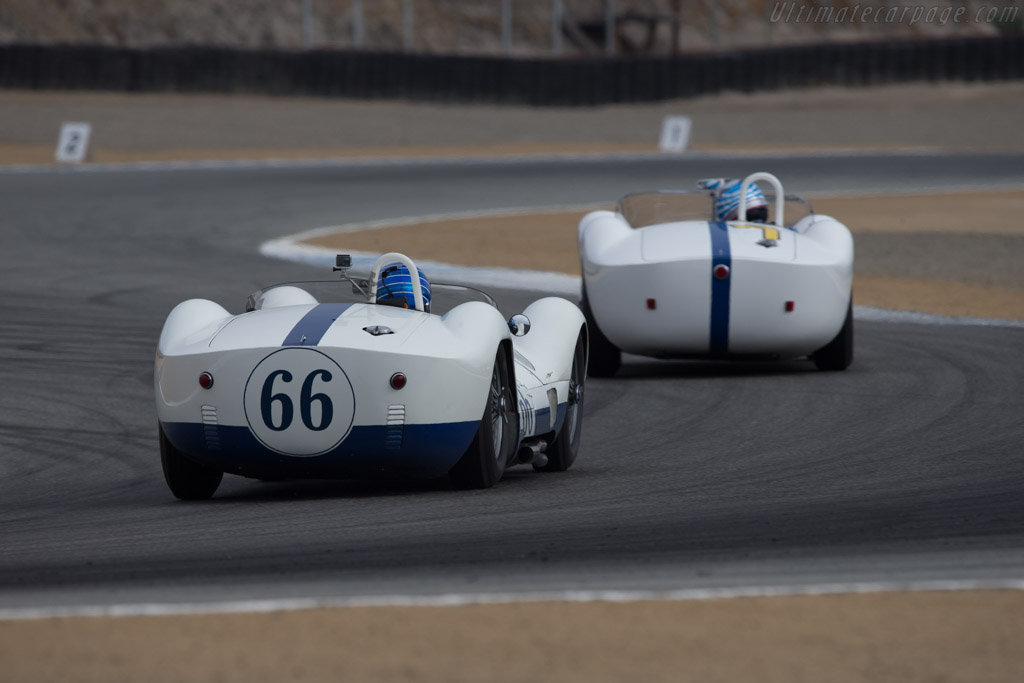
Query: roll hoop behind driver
394	287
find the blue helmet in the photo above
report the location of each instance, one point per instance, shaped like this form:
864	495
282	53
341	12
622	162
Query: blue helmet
394	287
727	204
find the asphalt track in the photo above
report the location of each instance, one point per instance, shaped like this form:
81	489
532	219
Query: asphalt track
906	468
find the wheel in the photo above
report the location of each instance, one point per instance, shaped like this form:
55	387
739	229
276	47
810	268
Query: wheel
562	451
838	353
605	357
484	461
187	480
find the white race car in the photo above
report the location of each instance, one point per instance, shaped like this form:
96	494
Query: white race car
295	388
658	282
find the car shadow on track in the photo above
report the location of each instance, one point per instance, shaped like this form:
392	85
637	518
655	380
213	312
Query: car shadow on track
645	368
238	490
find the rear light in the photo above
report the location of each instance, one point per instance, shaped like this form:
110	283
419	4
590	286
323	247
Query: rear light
205	380
398	380
651	304
790	305
721	271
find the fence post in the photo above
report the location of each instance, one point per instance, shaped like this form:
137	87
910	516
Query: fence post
307	24
407	25
609	27
357	23
556	27
713	23
677	11
506	26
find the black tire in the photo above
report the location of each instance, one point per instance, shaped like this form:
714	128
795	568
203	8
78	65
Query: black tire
484	461
187	480
604	357
562	451
838	353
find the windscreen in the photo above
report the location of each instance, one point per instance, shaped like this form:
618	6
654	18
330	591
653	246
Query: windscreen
641	209
443	298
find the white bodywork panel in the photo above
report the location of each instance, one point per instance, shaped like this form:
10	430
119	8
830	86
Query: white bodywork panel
305	379
695	313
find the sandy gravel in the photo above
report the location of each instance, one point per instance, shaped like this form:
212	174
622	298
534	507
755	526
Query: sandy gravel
165	126
951	253
968	637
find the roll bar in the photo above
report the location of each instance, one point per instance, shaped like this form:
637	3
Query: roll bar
780	197
414	272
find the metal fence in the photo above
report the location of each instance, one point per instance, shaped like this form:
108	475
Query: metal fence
599	80
652	27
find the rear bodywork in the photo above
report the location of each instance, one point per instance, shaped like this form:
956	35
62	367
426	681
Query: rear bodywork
653	290
303	389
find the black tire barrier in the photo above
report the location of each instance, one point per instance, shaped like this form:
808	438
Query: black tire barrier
448	78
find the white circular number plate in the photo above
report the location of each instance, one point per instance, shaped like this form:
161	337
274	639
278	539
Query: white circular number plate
299	402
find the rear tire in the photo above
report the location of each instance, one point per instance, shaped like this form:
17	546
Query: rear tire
484	461
187	480
604	358
562	451
838	353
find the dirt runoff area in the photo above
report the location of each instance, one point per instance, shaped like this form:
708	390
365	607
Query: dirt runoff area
951	253
908	637
160	127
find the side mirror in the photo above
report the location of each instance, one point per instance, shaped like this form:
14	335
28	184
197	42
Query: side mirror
519	325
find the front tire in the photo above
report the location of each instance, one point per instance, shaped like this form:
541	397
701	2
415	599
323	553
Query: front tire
605	357
562	451
484	461
187	480
838	353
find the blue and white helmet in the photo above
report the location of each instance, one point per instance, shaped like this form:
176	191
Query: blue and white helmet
727	202
394	286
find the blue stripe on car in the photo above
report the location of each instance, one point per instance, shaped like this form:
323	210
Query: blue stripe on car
720	255
313	326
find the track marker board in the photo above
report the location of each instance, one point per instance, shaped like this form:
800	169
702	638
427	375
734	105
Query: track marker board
675	133
73	143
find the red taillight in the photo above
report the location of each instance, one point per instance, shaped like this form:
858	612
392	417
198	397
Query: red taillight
205	380
398	380
651	304
721	271
790	305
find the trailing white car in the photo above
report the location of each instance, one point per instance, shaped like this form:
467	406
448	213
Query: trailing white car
678	274
296	388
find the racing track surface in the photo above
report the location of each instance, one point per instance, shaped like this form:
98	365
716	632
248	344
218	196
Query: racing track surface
906	467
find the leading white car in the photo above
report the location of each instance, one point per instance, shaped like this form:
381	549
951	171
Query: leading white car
663	278
296	388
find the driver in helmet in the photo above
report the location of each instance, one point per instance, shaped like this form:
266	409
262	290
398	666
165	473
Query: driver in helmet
727	199
394	287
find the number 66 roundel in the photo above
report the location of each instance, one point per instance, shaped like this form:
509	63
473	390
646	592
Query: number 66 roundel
299	402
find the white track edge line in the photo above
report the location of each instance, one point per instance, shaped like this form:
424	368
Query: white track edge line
371	161
154	609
